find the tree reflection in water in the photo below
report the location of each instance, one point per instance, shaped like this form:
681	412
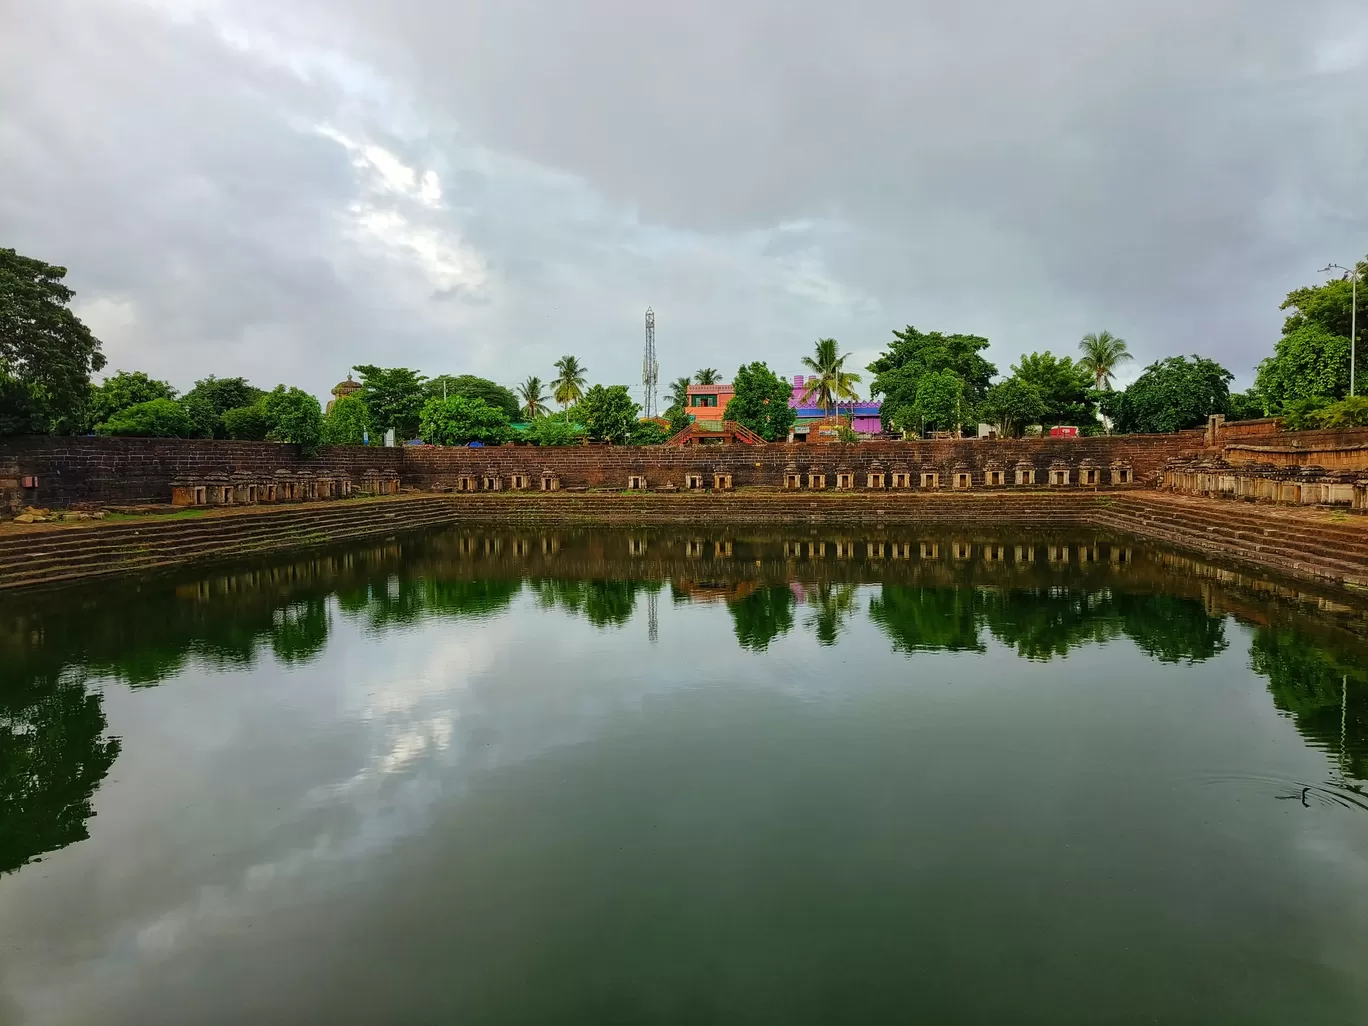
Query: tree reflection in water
54	743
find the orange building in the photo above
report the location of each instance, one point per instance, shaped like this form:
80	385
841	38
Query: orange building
709	402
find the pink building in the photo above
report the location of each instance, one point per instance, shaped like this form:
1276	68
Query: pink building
865	415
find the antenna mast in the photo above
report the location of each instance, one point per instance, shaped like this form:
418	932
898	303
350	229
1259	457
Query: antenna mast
650	370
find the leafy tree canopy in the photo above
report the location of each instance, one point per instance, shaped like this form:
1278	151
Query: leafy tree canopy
457	420
1063	387
470	386
120	391
1171	395
829	382
648	432
1308	362
555	429
762	616
346	422
913	354
248	423
295	417
1013	404
394	396
212	397
761	402
939	404
609	413
46	354
159	418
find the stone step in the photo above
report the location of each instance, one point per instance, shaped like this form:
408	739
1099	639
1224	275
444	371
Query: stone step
1304	537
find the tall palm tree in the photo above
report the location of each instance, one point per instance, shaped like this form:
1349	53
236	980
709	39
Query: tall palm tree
568	388
1102	352
831	381
679	392
707	376
530	392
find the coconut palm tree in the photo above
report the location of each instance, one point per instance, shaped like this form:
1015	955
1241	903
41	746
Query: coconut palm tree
1102	352
679	392
530	392
831	381
568	388
707	376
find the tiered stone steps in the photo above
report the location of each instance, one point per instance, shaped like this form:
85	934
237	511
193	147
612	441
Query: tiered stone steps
70	552
1304	543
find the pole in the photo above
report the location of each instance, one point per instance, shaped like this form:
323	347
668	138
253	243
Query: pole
1353	330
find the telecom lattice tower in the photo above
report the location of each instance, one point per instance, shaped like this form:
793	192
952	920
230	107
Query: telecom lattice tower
650	370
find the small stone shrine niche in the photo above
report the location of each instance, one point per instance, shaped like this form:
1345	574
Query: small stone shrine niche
792	480
549	481
722	482
1059	474
993	474
466	483
519	481
1121	473
874	478
693	480
1089	474
964	477
845	480
636	482
930	479
1025	473
816	479
902	477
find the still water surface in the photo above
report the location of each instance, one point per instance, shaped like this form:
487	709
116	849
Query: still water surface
614	777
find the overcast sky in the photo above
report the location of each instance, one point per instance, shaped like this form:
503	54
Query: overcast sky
284	188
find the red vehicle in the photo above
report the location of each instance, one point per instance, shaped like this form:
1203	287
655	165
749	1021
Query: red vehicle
1063	432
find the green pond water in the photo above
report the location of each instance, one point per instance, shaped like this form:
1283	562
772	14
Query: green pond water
712	776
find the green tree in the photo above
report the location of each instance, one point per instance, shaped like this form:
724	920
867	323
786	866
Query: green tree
394	396
1013	404
831	382
678	393
761	402
46	354
248	423
347	422
568	386
609	413
648	432
939	403
471	386
707	376
833	606
53	755
457	420
295	418
1171	395
1246	405
928	619
1103	352
761	617
1308	362
159	418
212	397
912	354
533	400
121	390
1063	387
555	429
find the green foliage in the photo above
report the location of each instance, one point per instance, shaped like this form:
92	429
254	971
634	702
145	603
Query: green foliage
347	422
295	418
1171	395
53	755
469	386
761	402
19	410
679	419
457	420
212	397
1103	352
556	429
678	393
1318	412
1013	404
648	432
1246	405
248	423
568	386
532	399
159	418
914	354
120	391
1327	306
46	354
1308	362
707	376
394	396
609	413
831	381
1063	386
939	403
762	616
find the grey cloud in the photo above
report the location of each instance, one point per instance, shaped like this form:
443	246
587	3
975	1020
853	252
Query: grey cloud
1163	169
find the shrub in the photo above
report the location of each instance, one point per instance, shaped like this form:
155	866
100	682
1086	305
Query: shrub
157	418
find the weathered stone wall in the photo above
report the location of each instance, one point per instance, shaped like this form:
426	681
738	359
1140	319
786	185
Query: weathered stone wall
137	470
1265	442
1298	486
610	466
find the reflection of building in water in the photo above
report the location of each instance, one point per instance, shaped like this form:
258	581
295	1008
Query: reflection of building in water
714	591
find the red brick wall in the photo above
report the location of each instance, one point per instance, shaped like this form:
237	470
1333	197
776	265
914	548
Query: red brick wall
132	470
